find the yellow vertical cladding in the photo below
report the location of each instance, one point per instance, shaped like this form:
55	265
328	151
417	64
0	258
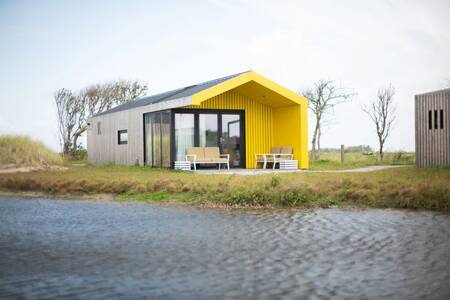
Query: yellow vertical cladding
258	122
290	128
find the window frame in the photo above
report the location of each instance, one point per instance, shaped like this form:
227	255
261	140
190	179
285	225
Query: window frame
430	119
119	140
435	119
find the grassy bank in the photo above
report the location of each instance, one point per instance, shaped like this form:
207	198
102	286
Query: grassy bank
21	151
405	187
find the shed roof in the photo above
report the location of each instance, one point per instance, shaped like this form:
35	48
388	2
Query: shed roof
435	92
170	95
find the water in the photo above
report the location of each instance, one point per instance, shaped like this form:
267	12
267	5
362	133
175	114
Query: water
106	250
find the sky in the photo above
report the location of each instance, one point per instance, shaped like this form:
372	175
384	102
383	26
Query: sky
360	45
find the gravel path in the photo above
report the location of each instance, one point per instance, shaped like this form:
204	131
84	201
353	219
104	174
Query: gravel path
270	171
359	170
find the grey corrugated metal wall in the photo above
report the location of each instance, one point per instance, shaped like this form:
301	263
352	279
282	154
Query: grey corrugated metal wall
432	145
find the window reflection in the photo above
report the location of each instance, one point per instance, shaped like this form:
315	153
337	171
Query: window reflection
207	130
184	134
157	139
231	137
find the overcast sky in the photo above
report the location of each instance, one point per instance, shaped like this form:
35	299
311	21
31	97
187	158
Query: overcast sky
362	45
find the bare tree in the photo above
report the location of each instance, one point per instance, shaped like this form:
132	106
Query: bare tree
89	101
382	112
67	111
322	99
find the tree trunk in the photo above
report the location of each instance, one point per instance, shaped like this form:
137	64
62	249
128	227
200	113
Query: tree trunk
67	144
66	147
313	149
76	136
319	134
314	140
75	143
381	149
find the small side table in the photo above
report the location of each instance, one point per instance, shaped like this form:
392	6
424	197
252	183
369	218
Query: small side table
183	165
288	165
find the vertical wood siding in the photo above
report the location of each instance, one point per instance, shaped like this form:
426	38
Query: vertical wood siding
432	145
104	148
258	122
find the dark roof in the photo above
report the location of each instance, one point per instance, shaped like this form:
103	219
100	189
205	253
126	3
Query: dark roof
435	92
170	95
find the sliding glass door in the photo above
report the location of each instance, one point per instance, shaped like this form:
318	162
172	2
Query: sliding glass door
167	135
184	134
210	128
230	141
157	139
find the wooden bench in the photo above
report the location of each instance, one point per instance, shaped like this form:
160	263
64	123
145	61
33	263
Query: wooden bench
207	155
275	156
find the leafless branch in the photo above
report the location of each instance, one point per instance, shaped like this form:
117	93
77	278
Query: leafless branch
322	99
75	108
382	112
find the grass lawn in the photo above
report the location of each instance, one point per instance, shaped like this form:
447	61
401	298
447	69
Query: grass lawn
331	160
405	187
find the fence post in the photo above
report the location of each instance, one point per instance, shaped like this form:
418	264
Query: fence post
342	154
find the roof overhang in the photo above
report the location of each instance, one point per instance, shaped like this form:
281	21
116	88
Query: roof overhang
250	84
254	86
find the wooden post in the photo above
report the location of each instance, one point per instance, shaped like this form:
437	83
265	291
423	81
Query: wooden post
342	154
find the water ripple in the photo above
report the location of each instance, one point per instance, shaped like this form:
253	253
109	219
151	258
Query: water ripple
52	249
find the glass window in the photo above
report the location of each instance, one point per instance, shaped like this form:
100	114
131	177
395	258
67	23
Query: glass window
99	128
156	135
184	134
430	120
231	137
148	140
122	137
435	119
165	138
207	130
157	139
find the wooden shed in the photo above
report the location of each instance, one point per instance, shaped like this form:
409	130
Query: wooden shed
433	129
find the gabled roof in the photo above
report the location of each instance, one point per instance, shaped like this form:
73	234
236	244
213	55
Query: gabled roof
248	83
170	95
435	92
254	86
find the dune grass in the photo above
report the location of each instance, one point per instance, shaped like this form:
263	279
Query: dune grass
331	160
406	187
19	151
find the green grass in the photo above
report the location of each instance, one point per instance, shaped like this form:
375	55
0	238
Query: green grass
160	196
406	187
19	151
332	160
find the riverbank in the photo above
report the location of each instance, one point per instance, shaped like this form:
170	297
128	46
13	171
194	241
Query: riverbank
405	187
